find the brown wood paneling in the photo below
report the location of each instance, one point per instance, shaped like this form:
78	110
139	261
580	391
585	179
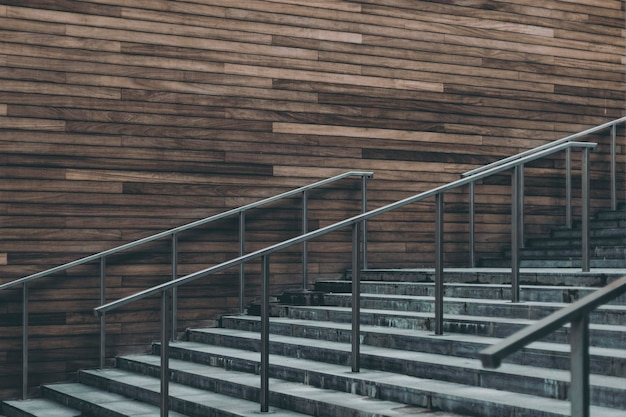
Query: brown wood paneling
119	119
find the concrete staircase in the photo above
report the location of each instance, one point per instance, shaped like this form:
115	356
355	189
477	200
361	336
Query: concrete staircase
562	249
407	370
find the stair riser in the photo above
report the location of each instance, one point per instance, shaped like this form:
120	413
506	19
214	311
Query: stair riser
542	294
575	242
563	279
521	310
555	263
619	214
550	388
594	233
13	412
574	263
596	253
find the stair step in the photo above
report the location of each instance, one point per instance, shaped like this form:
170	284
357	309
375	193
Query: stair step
609	336
95	401
193	382
594	233
574	242
535	293
555	263
498	275
38	407
611	362
610	314
359	391
619	214
574	263
600	253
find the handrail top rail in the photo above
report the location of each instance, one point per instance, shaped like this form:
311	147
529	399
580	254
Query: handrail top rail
182	228
546	146
333	227
492	356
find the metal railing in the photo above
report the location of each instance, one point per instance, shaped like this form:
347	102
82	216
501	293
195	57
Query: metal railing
357	223
173	234
578	315
568	181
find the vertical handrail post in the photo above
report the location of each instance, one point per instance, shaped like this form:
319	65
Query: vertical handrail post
25	341
568	188
472	224
164	401
103	325
439	258
174	290
614	167
522	198
265	335
356	299
305	244
364	179
242	267
579	362
585	210
516	225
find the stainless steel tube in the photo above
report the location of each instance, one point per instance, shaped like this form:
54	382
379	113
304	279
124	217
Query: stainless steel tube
472	224
164	401
242	267
265	335
174	290
585	210
103	324
25	341
364	222
516	225
579	358
439	207
614	167
305	244
356	300
568	188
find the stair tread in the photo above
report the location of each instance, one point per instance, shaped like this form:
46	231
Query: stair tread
109	401
132	408
458	363
447	390
42	407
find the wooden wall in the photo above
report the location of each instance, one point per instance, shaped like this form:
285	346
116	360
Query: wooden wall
120	118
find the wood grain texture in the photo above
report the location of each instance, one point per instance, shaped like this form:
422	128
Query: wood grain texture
119	119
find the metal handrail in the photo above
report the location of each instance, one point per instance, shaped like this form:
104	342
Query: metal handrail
357	247
578	315
568	178
173	234
569	138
